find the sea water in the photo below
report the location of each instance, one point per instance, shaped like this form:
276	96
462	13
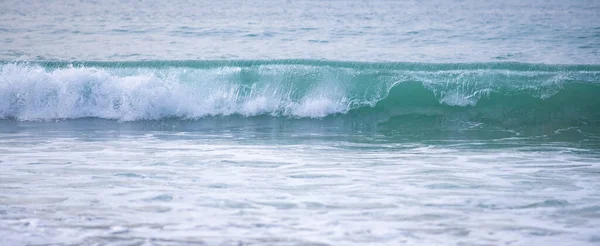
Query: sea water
299	123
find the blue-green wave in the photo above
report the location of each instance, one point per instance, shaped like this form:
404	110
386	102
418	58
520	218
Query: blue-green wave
500	93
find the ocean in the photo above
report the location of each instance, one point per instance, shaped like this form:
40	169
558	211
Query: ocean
279	122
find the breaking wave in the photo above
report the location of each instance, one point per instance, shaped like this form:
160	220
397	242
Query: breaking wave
132	91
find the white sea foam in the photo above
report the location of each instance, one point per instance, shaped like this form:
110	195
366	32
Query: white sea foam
74	186
34	93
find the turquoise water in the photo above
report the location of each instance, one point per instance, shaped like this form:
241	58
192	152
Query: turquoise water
299	123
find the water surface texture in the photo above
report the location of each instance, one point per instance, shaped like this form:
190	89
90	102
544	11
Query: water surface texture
439	31
299	123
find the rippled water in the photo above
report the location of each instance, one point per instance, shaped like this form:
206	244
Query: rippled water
97	182
230	123
439	31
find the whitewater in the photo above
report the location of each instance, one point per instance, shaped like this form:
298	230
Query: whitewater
299	123
302	88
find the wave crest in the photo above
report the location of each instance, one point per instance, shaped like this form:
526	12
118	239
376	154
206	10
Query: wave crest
143	91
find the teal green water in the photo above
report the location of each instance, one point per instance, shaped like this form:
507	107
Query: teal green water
299	123
519	98
299	151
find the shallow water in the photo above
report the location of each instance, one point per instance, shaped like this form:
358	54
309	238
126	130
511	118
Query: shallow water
104	182
299	123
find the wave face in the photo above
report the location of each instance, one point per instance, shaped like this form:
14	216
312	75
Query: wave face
131	91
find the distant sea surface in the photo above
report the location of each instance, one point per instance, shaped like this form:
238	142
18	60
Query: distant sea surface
299	122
